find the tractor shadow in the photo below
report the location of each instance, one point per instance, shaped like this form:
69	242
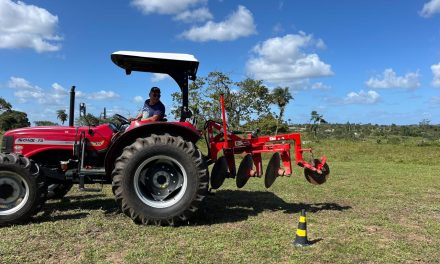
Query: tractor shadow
229	206
224	206
76	207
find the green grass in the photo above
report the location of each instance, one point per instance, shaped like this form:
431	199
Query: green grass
380	205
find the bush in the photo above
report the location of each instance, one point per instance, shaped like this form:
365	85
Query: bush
394	140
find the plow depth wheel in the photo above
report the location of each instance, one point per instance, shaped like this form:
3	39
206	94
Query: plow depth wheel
244	171
314	177
219	172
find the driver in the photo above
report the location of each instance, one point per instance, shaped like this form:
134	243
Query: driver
153	109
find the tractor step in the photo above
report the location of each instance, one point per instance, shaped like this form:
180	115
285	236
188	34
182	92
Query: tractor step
92	172
89	172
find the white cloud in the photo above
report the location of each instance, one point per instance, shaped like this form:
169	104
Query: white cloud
59	93
25	91
19	83
138	99
157	77
103	95
80	95
37	94
320	86
166	7
27	26
430	8
370	97
238	24
436	72
389	79
197	15
285	59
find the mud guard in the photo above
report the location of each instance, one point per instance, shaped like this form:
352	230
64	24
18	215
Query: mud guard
158	128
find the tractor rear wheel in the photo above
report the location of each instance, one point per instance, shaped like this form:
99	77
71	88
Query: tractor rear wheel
22	189
160	180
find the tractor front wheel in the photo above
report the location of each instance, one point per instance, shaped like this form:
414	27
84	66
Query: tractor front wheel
22	189
160	180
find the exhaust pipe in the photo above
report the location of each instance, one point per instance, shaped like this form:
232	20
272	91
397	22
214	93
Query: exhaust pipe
72	106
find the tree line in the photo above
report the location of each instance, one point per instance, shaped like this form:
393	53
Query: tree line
249	105
247	102
10	119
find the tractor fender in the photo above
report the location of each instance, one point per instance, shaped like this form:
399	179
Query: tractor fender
187	132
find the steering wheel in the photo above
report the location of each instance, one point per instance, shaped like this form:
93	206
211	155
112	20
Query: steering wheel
123	120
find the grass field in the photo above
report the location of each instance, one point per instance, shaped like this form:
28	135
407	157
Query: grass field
381	205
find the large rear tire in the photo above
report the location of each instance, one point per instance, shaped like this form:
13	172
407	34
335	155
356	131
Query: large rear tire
160	180
22	189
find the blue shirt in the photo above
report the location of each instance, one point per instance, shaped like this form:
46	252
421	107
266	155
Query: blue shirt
151	110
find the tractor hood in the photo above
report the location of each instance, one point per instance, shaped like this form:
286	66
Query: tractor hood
30	141
40	129
57	130
173	64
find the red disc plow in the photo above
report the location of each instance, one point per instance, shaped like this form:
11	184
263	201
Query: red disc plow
280	164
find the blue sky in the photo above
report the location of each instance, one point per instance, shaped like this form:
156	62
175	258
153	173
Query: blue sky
357	61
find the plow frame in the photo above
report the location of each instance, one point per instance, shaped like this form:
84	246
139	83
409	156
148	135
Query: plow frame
232	144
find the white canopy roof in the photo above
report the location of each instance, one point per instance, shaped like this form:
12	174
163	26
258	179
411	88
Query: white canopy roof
158	55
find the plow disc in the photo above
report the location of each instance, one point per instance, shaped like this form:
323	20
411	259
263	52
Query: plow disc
219	172
272	170
316	178
244	171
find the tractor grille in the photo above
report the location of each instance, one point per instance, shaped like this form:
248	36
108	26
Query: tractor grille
7	142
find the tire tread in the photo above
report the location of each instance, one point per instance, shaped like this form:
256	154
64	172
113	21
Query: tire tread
148	142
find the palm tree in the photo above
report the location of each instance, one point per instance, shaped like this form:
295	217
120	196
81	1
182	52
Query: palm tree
62	116
317	119
281	97
4	105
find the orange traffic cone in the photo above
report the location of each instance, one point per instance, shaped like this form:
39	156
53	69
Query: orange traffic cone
301	232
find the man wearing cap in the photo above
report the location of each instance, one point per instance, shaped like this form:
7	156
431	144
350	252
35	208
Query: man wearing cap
153	109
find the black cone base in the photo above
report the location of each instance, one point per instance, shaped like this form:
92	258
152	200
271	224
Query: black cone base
272	170
315	178
301	242
219	172
244	170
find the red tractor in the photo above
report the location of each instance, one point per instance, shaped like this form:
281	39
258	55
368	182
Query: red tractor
157	173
